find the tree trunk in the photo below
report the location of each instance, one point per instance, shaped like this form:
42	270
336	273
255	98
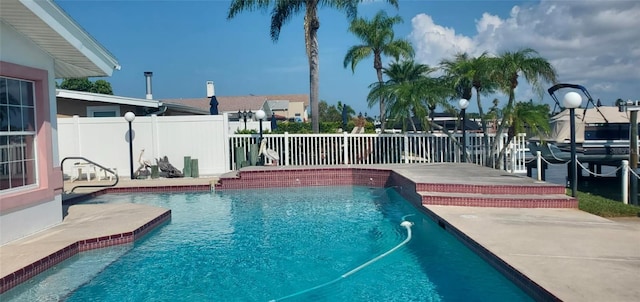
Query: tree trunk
314	82
378	66
483	123
503	123
311	26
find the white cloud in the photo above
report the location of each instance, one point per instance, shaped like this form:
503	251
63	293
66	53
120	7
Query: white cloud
592	43
434	42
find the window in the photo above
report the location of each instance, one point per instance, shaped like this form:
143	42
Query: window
103	111
17	133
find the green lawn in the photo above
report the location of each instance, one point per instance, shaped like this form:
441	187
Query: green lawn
605	207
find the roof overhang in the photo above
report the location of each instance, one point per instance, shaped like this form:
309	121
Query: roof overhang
186	109
75	52
106	98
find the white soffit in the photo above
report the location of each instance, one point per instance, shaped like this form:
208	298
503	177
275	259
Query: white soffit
75	52
105	98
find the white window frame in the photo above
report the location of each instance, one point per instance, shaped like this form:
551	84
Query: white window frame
91	110
19	162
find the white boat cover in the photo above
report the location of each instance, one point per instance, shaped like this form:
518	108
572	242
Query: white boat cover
561	128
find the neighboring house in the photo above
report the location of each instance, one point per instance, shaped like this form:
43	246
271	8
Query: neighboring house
39	43
88	104
285	107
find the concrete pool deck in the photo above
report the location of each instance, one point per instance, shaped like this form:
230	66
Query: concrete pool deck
574	255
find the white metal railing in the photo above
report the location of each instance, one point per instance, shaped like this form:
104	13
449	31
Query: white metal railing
346	148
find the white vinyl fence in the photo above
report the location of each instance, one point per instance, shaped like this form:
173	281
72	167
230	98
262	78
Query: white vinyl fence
340	149
209	139
106	141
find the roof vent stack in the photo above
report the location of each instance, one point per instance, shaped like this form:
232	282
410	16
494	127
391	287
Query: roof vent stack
211	90
147	75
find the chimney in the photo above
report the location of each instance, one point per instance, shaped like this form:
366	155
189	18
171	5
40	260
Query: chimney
211	90
148	74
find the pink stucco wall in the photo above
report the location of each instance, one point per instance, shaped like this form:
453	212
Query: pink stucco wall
49	173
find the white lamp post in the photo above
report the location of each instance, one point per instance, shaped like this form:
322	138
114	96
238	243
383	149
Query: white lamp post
129	117
260	114
573	100
464	103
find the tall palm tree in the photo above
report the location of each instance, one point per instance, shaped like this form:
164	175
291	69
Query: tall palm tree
510	65
377	39
282	12
467	74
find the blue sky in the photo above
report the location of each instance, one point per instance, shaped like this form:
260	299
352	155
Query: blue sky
186	43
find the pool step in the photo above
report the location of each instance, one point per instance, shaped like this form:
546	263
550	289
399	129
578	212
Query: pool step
498	200
537	189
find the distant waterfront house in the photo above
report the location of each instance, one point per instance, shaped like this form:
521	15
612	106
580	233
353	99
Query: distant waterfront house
87	104
285	107
39	43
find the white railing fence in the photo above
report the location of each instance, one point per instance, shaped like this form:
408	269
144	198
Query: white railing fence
346	148
210	140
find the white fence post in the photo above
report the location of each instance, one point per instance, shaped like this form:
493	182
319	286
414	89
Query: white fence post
287	160
405	138
625	181
539	164
155	142
513	151
78	140
345	148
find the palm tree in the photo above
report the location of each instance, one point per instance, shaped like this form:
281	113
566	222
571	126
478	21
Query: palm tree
409	91
282	12
529	118
377	39
467	74
510	65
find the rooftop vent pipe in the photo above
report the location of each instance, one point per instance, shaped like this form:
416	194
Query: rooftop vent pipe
148	74
211	90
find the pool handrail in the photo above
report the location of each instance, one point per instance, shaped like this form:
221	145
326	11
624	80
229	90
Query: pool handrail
93	163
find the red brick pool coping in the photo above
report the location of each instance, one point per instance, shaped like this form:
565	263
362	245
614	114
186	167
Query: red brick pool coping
255	179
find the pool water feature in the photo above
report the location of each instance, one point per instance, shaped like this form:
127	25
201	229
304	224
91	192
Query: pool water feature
267	244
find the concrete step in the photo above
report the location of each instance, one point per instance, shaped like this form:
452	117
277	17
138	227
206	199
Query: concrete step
537	189
499	200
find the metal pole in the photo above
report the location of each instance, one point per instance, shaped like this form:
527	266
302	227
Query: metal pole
633	157
261	160
625	181
131	152
574	157
464	136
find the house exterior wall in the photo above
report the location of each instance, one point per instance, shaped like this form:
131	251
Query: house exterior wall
296	108
105	141
29	209
69	107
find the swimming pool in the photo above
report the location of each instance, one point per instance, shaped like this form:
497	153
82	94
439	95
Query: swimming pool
262	245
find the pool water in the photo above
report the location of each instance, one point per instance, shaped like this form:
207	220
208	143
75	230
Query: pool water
262	245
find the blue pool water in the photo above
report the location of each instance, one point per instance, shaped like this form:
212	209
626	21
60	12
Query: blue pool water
262	245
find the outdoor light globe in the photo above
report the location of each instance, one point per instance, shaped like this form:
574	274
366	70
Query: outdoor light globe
129	116
572	100
260	114
463	103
